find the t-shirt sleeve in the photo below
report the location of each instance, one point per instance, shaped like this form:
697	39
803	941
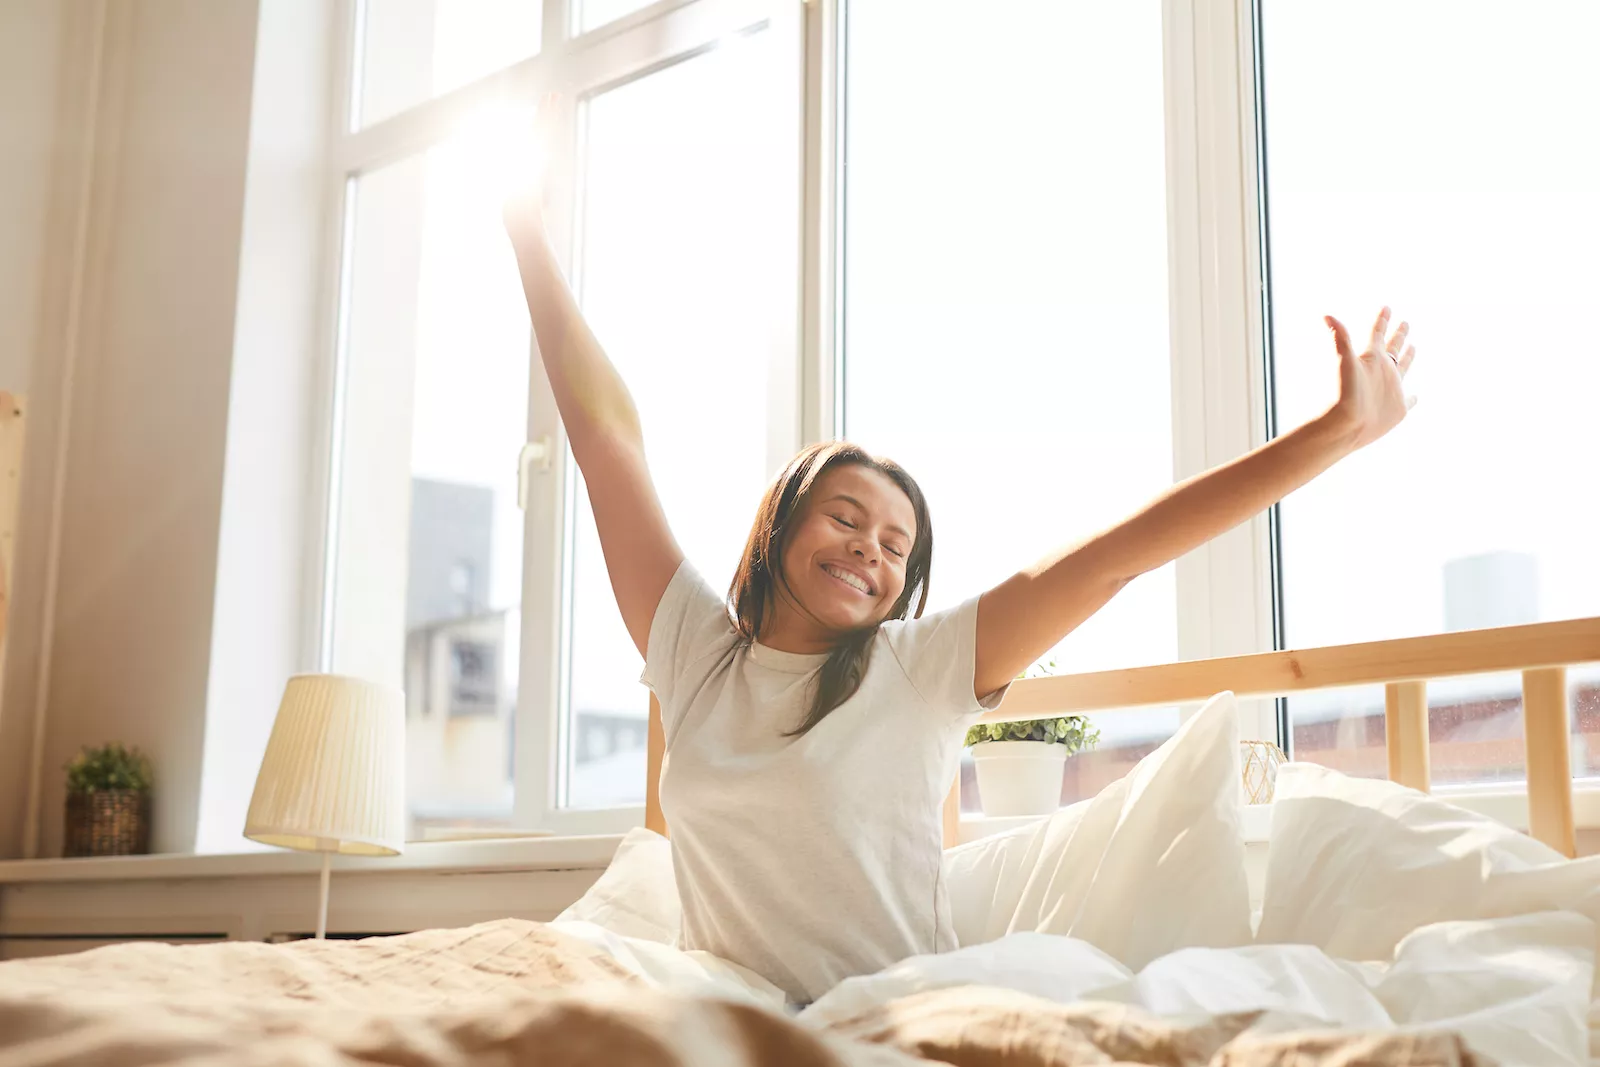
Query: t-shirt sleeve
689	633
938	653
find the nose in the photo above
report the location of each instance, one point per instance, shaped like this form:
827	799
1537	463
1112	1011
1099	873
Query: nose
865	549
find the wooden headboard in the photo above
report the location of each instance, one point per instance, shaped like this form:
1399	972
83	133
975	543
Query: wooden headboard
1541	651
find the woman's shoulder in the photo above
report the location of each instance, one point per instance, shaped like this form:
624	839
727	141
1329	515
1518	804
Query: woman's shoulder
929	625
935	653
691	628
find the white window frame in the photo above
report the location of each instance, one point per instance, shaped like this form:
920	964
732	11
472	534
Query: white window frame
1215	283
541	751
577	68
1224	588
1215	293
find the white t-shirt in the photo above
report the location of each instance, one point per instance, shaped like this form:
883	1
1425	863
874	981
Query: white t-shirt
808	859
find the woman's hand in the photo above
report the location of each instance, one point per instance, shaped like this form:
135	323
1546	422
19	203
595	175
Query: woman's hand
523	206
1372	398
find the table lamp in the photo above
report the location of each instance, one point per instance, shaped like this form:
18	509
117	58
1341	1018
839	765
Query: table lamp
333	777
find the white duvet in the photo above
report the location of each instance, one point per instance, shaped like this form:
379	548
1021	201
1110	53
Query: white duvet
1382	908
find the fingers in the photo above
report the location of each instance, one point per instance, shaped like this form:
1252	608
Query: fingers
1341	338
1379	329
1404	362
1397	342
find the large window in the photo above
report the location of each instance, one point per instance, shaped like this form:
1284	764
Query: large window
1051	257
427	538
461	561
1005	300
1448	165
685	264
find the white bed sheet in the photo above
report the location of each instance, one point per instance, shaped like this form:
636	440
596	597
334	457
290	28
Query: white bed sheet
1382	908
1515	989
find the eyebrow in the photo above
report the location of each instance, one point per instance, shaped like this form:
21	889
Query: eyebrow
852	500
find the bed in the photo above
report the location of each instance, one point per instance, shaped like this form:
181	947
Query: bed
1393	927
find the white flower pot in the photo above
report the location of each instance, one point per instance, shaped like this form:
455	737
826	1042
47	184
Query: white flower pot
1019	777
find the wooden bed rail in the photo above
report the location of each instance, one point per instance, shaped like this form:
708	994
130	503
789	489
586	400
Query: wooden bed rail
1404	666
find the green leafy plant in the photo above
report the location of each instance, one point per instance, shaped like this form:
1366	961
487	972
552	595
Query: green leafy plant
1073	731
111	766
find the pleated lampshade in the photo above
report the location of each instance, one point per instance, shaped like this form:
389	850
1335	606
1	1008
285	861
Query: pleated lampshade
333	777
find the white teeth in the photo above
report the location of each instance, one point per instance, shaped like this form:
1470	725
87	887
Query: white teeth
848	579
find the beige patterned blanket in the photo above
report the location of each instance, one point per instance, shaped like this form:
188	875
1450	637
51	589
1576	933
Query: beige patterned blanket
514	992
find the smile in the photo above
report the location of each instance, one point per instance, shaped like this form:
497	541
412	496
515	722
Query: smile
853	581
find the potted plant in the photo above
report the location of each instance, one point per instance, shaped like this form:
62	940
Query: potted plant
108	802
1020	764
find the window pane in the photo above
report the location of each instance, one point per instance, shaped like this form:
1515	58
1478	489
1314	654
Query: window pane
1583	700
414	50
428	576
1006	291
1341	728
1454	173
1475	731
592	14
683	280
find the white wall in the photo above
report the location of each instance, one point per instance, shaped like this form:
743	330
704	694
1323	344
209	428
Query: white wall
138	273
149	404
261	632
161	254
30	32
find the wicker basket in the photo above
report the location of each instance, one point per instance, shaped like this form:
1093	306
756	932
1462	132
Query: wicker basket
1258	763
113	822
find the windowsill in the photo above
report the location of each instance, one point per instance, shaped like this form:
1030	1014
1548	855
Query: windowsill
1509	806
532	854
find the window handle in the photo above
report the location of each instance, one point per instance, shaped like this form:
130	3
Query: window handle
535	457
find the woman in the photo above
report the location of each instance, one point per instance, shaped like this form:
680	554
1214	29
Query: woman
813	719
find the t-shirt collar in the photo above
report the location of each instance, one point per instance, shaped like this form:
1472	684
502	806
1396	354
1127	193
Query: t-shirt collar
787	662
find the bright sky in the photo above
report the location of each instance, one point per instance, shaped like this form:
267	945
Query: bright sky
1443	157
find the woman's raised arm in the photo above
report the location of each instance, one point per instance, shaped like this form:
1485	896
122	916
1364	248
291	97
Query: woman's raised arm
602	427
1024	616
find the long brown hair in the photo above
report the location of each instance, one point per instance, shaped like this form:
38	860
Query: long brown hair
755	585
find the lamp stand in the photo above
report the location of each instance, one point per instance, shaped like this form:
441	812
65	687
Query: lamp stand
322	903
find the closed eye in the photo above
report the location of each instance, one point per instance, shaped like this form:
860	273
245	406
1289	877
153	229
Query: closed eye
848	525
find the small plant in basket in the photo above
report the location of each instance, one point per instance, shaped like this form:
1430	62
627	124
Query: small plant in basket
1020	764
108	802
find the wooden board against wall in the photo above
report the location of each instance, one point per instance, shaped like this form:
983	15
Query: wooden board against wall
11	427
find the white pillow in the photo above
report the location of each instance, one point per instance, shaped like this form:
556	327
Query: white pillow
1515	989
637	895
1355	864
1153	864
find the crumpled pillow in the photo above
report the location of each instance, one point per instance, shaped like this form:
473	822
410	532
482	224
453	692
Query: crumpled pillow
1356	864
637	895
1152	864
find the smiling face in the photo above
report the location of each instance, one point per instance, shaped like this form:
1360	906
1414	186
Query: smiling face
845	553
